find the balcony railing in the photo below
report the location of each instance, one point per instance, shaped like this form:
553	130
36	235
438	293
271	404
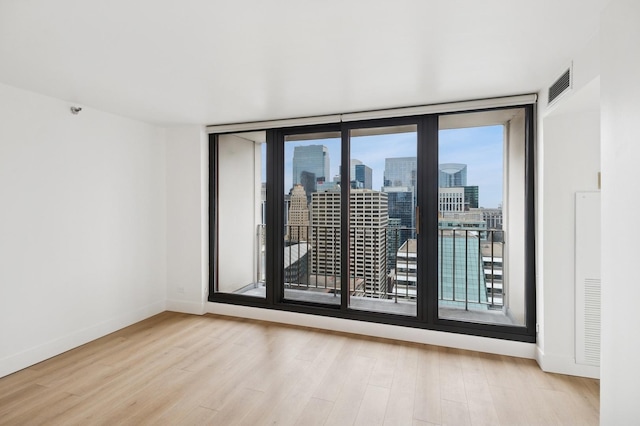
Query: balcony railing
384	264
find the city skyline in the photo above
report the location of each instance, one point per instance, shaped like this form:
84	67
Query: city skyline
480	148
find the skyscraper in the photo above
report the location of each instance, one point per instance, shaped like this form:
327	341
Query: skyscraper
471	197
310	165
363	176
400	179
325	233
368	251
400	171
402	213
298	225
452	175
369	220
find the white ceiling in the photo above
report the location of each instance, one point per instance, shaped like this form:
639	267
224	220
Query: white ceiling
214	62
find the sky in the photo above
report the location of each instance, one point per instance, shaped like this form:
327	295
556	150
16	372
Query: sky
480	148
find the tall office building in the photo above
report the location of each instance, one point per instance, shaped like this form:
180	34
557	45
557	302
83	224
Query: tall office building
354	162
325	233
400	180
310	165
369	220
363	176
452	174
401	171
308	181
471	197
401	206
394	241
368	252
298	224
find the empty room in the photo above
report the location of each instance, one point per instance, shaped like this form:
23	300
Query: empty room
303	212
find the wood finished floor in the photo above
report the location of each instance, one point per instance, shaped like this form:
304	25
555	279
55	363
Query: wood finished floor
179	369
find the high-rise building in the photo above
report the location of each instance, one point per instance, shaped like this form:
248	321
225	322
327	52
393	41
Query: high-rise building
369	220
450	200
394	241
470	197
368	252
400	180
310	165
452	174
405	278
298	224
401	207
325	233
308	181
401	171
363	176
354	162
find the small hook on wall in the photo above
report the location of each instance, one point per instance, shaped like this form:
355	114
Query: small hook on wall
75	110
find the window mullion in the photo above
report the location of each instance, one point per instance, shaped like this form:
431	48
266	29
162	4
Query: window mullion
345	243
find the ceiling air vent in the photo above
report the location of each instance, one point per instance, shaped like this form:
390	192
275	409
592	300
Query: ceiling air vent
561	85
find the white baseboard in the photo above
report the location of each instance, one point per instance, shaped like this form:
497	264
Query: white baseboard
417	335
185	307
565	365
39	353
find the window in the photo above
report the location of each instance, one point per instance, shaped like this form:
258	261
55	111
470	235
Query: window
423	221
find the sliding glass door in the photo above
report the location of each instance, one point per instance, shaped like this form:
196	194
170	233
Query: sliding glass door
424	221
312	235
383	190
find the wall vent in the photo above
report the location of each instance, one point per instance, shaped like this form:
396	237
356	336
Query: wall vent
587	284
591	322
560	86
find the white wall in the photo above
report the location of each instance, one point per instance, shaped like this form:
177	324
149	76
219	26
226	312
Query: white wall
237	212
187	219
514	219
82	226
568	160
620	103
571	163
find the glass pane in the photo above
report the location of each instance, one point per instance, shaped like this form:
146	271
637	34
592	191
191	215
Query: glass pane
473	150
241	198
312	218
383	255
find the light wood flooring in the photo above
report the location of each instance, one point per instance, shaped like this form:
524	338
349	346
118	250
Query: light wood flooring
179	369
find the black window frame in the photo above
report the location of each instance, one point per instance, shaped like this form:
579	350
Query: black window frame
427	196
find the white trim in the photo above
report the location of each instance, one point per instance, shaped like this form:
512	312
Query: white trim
565	365
273	124
386	331
186	307
445	107
377	114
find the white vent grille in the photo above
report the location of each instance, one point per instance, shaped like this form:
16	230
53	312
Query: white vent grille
592	321
587	278
560	86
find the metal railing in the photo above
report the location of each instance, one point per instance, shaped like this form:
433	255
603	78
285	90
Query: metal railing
384	263
468	267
